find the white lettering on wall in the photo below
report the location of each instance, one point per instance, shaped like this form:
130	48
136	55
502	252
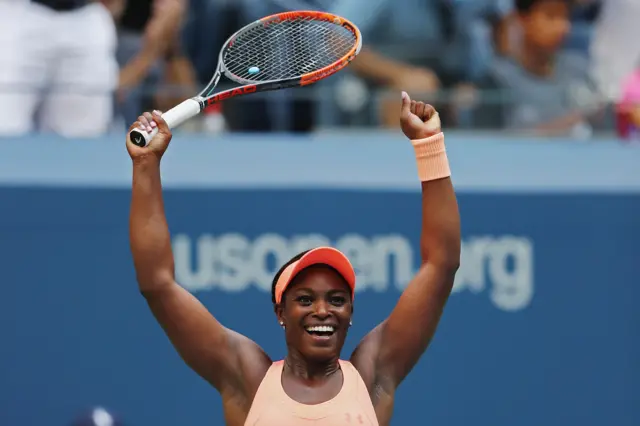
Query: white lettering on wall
501	266
505	262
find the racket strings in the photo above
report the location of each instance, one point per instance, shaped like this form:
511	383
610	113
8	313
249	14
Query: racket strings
287	49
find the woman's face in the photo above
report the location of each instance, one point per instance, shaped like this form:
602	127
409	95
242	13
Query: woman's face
316	312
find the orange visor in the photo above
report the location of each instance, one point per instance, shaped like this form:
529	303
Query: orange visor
321	255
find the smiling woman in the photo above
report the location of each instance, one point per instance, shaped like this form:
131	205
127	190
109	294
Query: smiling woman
313	295
313	298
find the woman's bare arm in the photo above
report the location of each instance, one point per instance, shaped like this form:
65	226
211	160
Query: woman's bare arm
396	345
217	354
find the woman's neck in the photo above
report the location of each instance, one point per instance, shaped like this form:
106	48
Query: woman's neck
297	365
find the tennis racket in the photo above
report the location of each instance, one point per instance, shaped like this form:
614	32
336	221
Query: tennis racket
289	49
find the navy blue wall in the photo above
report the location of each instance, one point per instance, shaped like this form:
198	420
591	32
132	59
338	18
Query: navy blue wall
542	327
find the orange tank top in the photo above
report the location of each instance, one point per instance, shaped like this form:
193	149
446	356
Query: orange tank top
350	407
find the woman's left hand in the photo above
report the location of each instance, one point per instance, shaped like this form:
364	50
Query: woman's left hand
417	119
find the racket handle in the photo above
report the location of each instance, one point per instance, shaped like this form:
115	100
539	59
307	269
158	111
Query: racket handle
174	117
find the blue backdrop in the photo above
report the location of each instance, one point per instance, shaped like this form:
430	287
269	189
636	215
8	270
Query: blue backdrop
542	327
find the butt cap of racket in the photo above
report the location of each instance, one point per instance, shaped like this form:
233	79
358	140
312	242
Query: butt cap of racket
141	137
174	117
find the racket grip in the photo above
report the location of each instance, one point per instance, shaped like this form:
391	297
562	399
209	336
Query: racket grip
174	117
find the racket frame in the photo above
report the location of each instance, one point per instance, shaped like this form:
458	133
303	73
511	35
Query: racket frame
193	106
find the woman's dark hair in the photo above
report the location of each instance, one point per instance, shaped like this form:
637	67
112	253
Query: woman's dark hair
281	270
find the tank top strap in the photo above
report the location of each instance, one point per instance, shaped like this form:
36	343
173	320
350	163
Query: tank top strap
268	393
272	382
275	369
351	377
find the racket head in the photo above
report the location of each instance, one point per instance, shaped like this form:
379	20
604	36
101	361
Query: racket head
288	49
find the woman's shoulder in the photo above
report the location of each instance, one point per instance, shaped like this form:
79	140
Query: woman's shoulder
253	362
364	357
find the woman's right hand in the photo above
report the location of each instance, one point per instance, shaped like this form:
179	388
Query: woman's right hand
158	145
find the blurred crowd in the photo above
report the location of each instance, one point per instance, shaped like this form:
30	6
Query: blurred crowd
549	67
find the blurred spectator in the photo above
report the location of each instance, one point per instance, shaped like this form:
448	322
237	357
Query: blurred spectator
221	18
502	17
272	111
281	110
178	81
487	28
57	67
615	50
584	13
150	54
409	45
628	109
546	89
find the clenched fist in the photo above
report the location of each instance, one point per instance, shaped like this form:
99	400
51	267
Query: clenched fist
417	119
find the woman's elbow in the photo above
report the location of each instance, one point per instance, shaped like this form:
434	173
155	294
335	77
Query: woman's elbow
449	264
152	283
446	257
